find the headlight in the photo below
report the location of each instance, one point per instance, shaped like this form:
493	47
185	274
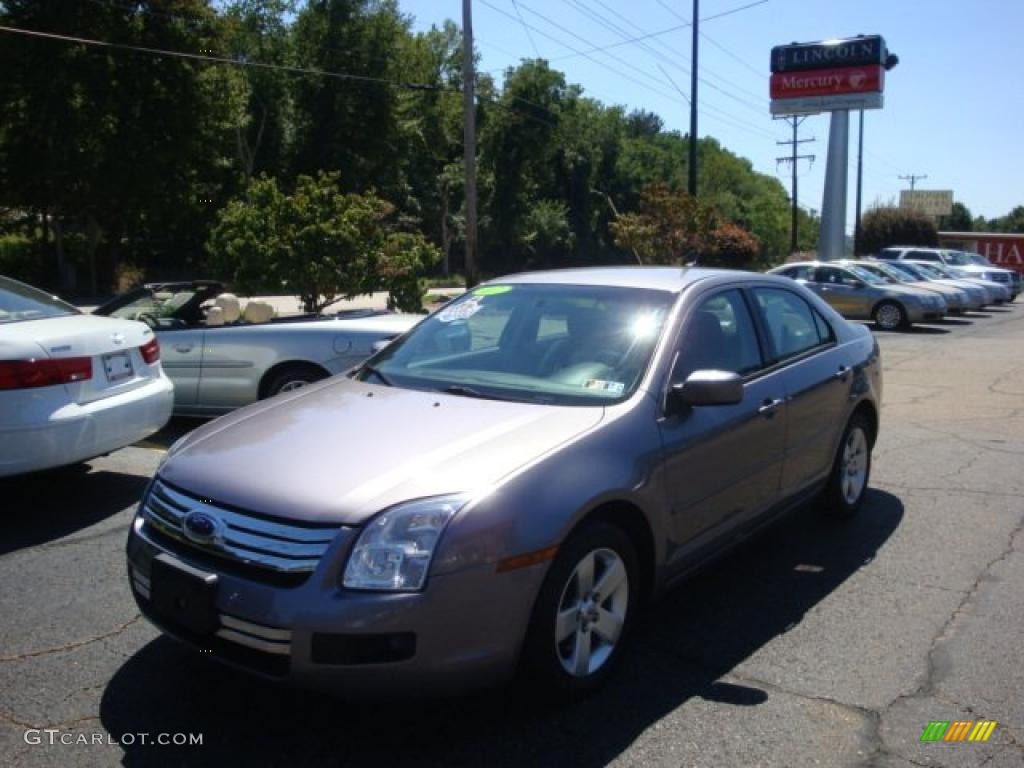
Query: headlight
394	551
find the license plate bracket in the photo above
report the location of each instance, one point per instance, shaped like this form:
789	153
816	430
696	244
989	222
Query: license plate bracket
184	595
118	366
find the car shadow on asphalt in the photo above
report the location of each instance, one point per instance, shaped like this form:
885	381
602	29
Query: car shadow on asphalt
682	648
49	505
924	330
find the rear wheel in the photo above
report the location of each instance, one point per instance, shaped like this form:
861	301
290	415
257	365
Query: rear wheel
851	469
583	612
293	377
890	316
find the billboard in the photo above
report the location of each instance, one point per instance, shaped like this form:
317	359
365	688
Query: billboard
826	82
933	202
831	75
860	51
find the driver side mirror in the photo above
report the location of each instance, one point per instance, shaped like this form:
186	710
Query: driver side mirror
707	387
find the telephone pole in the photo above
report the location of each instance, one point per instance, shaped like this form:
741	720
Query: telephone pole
913	179
794	120
692	185
469	141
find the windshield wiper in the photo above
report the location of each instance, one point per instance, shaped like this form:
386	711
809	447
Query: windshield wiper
463	391
376	372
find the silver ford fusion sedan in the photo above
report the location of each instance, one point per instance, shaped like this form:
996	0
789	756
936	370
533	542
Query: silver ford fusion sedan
502	488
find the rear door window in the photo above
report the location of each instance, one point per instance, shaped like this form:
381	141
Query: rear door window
793	327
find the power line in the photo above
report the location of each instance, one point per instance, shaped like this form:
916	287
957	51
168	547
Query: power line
526	29
658	54
660	32
213	59
795	121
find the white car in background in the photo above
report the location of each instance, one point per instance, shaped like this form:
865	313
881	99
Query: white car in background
73	386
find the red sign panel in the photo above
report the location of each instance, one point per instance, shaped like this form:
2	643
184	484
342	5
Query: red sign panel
1003	250
827	82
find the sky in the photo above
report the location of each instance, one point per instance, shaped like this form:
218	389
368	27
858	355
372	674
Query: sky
954	106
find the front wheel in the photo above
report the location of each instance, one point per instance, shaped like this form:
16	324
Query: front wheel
851	470
583	612
889	316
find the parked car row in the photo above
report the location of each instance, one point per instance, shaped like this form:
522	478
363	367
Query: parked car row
74	386
897	292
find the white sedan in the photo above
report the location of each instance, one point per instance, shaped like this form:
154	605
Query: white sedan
73	386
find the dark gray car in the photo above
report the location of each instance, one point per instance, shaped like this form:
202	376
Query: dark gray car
502	488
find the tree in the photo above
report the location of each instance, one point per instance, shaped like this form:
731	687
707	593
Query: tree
677	228
883	226
317	243
959	219
399	265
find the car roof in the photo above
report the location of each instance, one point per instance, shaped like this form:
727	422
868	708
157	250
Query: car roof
673	279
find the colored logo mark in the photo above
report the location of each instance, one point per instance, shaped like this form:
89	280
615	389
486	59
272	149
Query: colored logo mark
958	730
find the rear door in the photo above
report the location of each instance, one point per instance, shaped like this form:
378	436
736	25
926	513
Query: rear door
817	374
846	294
722	463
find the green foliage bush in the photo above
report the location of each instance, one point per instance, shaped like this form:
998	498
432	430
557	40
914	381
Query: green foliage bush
883	226
318	244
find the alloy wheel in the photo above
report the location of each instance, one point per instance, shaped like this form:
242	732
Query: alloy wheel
591	612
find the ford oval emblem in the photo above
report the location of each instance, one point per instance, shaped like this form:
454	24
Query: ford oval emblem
202	528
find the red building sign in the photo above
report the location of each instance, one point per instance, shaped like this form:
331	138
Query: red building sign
827	82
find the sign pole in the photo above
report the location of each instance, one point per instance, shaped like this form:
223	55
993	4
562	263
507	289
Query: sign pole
832	241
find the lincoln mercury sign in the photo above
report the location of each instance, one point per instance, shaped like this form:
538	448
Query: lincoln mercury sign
860	51
830	75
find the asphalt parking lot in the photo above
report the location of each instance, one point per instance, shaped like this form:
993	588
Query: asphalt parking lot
817	644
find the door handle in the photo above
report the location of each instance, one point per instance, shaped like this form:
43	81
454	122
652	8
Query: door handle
769	406
843	373
183	348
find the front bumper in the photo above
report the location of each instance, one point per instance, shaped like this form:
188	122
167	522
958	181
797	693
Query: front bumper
464	631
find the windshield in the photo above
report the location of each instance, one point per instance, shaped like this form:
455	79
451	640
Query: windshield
979	260
957	258
557	344
868	277
880	272
929	271
906	271
155	304
22	302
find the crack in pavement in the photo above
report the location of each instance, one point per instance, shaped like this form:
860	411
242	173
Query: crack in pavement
72	646
927	686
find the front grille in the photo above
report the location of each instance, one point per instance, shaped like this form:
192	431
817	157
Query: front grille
274	546
1000	277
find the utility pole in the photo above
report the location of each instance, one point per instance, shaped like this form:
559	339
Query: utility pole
913	179
860	179
469	141
692	186
795	121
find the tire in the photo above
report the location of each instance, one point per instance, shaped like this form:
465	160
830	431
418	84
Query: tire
573	657
851	470
890	316
293	377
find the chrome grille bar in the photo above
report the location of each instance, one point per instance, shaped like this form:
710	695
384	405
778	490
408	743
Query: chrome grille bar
279	546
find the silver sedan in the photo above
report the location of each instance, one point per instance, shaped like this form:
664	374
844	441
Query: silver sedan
525	469
858	294
222	355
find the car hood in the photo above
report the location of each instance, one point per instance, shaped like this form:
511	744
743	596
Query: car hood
343	450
